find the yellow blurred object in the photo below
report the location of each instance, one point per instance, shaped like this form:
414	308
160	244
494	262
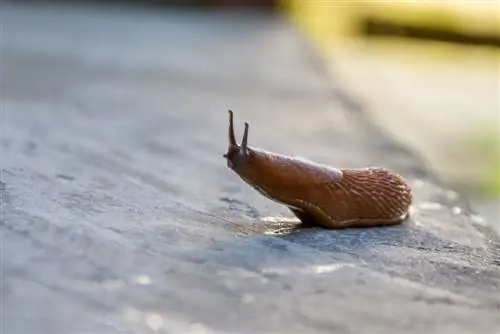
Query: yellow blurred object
328	22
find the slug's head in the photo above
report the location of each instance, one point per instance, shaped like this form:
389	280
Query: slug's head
237	156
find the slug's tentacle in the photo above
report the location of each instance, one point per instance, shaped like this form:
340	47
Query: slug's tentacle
236	155
232	138
244	141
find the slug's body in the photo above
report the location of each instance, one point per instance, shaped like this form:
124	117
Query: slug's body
318	194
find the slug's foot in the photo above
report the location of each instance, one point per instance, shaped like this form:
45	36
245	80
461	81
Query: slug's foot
307	220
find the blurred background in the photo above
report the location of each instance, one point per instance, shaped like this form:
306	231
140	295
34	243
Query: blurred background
425	71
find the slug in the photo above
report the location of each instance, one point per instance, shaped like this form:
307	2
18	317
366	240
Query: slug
319	195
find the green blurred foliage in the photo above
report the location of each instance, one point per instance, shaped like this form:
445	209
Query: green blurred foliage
487	144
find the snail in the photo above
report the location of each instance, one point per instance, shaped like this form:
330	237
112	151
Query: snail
319	195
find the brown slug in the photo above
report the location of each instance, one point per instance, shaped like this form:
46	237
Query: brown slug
319	195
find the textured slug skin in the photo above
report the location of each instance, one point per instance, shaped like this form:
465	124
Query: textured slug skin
330	197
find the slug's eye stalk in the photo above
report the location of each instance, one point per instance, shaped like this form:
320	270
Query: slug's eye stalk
236	154
244	141
232	139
